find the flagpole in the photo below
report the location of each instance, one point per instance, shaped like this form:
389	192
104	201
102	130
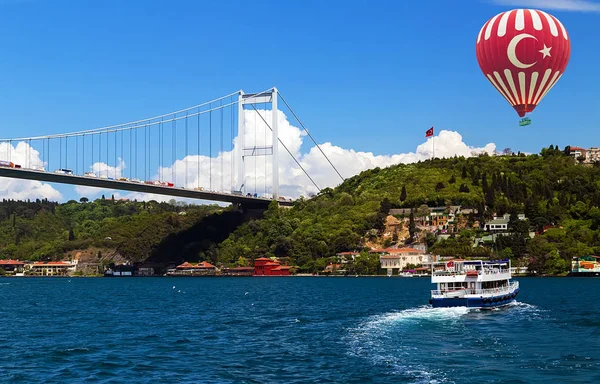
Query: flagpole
433	145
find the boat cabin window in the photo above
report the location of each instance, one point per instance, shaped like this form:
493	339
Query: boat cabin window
452	286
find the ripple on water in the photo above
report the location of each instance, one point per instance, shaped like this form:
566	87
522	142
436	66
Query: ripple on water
293	330
388	340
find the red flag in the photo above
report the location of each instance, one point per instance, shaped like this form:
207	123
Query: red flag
429	132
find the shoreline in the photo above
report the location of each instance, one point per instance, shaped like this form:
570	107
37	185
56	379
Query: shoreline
590	275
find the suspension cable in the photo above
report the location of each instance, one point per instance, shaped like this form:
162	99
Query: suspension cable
130	156
198	156
135	147
210	150
161	150
231	154
145	153
137	124
187	150
221	153
83	155
265	146
288	151
254	150
174	152
311	137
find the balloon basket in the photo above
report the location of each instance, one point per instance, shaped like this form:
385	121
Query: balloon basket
524	121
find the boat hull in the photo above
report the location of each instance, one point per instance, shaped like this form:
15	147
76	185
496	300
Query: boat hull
475	302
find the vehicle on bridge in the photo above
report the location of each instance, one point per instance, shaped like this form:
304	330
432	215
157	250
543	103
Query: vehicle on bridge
90	174
7	164
64	171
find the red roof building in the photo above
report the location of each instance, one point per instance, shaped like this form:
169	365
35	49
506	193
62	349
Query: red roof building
188	269
52	268
12	266
266	267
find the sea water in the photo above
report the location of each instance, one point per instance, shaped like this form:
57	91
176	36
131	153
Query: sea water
292	330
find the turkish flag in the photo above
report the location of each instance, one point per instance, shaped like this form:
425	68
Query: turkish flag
429	132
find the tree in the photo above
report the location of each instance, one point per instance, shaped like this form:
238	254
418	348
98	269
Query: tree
463	188
103	197
507	253
452	179
555	264
490	197
464	172
113	197
403	193
84	200
439	186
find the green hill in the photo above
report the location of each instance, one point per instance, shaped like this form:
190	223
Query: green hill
550	188
43	230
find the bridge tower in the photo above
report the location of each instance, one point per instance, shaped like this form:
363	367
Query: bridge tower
251	99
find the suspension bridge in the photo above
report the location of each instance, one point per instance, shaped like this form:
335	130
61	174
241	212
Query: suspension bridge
226	150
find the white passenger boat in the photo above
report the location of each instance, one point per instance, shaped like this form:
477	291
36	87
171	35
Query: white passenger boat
473	284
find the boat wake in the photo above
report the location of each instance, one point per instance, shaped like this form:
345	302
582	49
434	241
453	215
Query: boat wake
407	343
388	340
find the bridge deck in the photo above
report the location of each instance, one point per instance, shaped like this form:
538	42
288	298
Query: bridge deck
29	174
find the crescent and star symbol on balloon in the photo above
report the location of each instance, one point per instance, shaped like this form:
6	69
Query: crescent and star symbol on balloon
512	54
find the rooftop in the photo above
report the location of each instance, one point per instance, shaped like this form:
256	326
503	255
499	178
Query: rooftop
11	262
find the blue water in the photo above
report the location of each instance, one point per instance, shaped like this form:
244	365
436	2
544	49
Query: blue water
292	330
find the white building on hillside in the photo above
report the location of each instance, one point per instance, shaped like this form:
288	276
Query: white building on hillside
400	258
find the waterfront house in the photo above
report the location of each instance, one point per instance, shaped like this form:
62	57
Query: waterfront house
145	270
334	269
282	270
238	271
188	269
400	258
12	267
264	266
53	268
585	265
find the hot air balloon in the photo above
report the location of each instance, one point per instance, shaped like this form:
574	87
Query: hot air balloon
523	53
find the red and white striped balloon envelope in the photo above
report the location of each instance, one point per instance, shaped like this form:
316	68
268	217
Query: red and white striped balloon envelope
523	53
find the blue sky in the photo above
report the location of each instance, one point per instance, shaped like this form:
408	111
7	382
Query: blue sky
363	75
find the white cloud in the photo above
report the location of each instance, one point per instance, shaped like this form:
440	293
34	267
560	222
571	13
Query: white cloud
563	5
350	162
27	157
101	169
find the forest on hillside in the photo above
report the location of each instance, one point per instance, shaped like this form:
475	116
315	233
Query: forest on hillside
44	230
559	196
